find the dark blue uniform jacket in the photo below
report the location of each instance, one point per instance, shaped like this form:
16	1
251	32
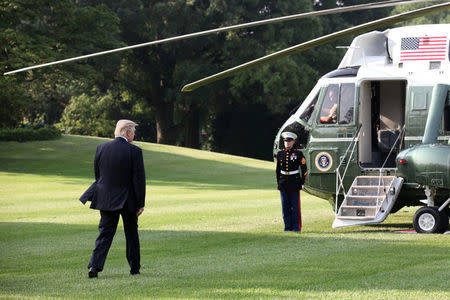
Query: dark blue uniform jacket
288	161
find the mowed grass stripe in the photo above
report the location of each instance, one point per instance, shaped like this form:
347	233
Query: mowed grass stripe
212	228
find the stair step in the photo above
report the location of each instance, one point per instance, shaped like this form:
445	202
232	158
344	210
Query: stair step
364	197
376	176
370	190
363	200
370	186
358	206
374	180
355	218
362	203
355	208
357	211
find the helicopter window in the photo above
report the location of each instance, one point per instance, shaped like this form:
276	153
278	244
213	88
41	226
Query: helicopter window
346	105
307	114
328	114
435	65
420	100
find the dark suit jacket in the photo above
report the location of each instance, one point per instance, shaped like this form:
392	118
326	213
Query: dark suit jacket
119	177
88	194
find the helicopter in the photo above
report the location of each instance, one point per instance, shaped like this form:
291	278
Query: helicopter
374	131
383	147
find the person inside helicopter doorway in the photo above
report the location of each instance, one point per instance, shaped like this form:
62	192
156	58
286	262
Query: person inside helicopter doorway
328	113
291	173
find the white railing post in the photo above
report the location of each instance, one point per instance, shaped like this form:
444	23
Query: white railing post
382	168
339	179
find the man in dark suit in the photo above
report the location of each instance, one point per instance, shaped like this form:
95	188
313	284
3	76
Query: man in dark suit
119	189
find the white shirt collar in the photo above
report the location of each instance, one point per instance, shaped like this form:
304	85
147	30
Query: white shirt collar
123	138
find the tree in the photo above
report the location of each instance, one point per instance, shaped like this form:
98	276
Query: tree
91	115
436	18
13	101
266	93
34	32
147	81
273	90
153	75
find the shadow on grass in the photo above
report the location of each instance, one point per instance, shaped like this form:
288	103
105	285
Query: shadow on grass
49	260
398	226
381	228
72	157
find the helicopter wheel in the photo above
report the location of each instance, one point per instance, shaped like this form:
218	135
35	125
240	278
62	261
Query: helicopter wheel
430	220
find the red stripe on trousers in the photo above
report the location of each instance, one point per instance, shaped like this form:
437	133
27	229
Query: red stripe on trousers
299	212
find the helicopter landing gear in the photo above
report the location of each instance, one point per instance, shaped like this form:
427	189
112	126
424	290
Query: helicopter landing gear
430	220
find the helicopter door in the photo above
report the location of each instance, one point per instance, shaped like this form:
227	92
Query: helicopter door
334	128
381	112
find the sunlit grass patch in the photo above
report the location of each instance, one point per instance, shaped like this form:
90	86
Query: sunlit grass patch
212	228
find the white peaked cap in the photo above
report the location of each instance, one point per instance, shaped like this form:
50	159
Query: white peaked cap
287	134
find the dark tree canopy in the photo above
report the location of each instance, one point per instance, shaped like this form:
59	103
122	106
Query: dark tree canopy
238	115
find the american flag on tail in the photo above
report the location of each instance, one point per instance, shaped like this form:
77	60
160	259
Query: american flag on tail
424	48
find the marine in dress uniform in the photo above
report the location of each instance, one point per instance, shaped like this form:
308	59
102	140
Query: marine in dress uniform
291	173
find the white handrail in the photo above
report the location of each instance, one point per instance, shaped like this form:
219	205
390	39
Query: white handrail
339	179
382	168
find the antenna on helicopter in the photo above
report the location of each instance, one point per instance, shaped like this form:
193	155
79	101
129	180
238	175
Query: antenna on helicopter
228	28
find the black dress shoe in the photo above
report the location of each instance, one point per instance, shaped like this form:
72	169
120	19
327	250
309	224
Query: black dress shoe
93	272
135	272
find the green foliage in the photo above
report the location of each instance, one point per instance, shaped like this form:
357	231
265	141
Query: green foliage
13	99
96	114
36	32
436	18
90	115
151	77
29	134
246	130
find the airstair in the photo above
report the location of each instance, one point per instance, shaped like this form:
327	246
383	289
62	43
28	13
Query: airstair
368	201
370	198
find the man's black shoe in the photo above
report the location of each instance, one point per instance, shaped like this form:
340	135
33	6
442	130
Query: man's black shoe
93	272
135	272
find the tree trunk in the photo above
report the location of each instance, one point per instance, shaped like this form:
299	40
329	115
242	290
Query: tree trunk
191	128
166	132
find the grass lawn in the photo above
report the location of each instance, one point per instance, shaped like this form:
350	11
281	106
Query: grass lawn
212	228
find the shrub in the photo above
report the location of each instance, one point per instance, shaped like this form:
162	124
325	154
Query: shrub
90	115
29	134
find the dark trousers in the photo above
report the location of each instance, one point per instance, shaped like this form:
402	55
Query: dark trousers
107	228
291	208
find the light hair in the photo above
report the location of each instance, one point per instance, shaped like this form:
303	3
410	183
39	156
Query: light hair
123	126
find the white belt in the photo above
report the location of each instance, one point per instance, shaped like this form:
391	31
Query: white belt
289	173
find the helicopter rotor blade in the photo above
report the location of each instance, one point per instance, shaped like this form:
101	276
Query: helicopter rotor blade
316	42
229	28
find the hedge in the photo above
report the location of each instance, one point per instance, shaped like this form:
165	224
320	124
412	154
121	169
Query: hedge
29	134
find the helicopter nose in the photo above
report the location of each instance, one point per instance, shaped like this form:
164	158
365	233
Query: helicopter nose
298	129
